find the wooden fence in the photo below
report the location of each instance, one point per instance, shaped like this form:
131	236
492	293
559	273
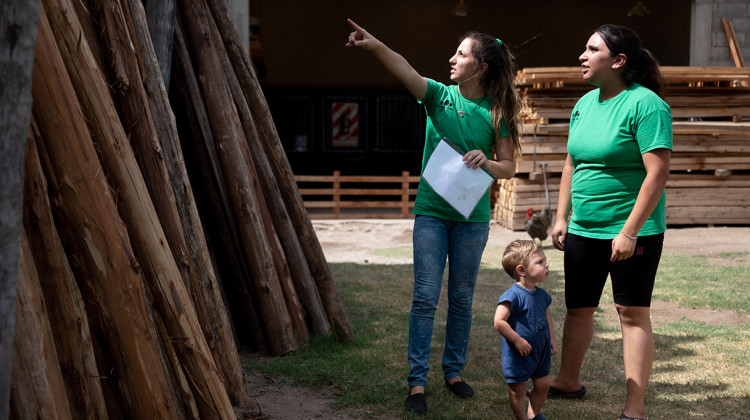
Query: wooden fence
367	197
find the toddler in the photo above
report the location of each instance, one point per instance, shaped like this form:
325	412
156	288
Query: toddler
528	334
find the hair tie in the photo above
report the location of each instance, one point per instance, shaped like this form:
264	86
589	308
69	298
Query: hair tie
500	43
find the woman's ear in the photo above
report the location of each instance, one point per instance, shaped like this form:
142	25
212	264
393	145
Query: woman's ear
619	61
482	68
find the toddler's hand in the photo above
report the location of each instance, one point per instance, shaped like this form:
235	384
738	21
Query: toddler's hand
523	347
554	348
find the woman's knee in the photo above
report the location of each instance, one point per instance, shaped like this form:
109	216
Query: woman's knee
634	315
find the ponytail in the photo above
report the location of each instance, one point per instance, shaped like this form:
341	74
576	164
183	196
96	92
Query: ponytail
499	82
641	66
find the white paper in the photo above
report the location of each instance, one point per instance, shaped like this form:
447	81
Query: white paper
448	175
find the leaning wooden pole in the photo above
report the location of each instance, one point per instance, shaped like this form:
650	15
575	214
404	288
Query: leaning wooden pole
227	131
223	233
214	317
267	204
63	299
38	390
155	258
304	284
86	207
277	158
160	16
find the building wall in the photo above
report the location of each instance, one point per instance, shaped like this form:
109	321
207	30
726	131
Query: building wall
709	43
303	41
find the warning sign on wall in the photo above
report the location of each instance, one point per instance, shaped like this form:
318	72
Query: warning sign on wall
345	124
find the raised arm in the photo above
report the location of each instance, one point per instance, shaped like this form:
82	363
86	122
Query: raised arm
393	62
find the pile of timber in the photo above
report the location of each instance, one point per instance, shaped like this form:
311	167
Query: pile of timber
133	295
549	93
710	167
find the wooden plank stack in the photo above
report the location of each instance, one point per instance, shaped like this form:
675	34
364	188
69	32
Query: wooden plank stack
710	167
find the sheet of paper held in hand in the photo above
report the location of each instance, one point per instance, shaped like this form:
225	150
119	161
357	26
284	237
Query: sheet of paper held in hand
448	175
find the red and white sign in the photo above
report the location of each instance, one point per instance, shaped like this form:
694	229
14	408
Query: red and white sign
345	124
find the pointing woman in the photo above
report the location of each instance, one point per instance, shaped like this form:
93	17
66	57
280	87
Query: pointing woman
479	115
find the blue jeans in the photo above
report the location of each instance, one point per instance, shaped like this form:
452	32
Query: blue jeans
462	244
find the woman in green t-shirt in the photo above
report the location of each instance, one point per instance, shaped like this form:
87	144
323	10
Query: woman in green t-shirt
611	208
478	114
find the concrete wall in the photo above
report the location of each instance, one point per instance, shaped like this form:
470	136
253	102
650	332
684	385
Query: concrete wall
709	44
241	14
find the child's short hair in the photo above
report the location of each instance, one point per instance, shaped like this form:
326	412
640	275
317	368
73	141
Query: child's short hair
518	252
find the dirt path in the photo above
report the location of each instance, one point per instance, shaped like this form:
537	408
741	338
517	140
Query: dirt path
354	241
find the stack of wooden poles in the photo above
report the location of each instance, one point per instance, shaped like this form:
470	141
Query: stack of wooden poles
710	168
126	307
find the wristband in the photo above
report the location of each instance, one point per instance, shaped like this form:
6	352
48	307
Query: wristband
630	237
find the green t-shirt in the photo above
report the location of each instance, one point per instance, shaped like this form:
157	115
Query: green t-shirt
606	142
472	131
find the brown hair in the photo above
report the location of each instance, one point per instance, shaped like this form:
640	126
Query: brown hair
499	81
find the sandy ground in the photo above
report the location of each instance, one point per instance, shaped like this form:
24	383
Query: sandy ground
354	241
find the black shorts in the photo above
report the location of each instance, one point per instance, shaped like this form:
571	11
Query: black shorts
587	266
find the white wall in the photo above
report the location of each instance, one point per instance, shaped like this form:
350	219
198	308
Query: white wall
709	45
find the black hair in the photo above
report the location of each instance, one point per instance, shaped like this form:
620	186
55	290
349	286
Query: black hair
641	66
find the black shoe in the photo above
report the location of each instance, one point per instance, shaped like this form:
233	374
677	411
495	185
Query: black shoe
460	388
416	403
556	393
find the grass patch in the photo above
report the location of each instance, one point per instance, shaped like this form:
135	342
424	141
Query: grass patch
700	371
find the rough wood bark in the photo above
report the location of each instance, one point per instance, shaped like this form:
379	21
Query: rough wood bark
227	133
64	303
38	390
222	231
160	16
112	274
161	273
267	202
214	317
18	20
303	282
277	158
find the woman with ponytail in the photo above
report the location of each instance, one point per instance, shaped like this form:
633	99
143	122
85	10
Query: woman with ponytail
612	205
479	115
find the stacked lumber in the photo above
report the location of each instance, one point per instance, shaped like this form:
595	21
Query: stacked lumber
550	93
711	153
121	290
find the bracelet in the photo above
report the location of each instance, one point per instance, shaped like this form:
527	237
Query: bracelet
629	237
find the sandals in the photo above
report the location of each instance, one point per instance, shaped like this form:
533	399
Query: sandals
624	417
556	393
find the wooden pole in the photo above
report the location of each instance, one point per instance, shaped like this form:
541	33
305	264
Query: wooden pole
301	290
63	299
18	21
227	132
285	178
38	390
95	231
222	230
160	16
151	246
204	286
